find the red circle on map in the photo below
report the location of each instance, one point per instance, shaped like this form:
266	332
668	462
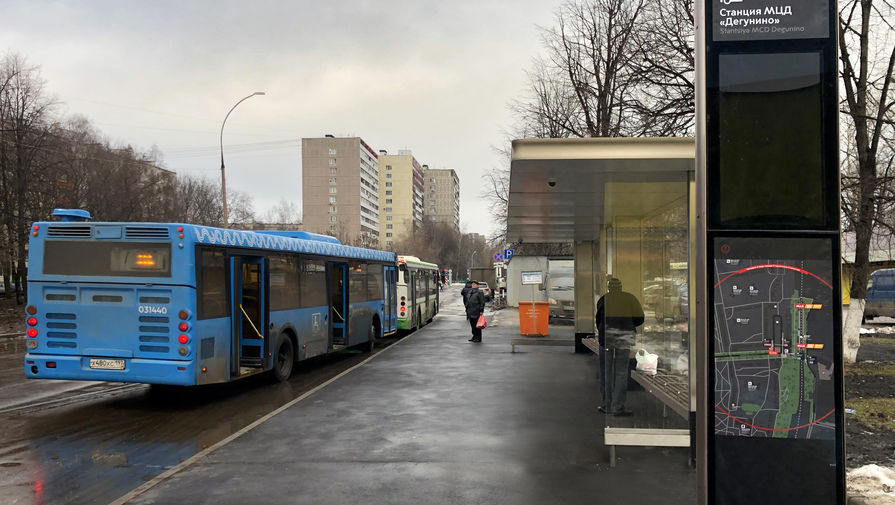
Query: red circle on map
785	267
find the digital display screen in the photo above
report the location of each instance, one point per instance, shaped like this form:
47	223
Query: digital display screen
771	170
774	368
100	258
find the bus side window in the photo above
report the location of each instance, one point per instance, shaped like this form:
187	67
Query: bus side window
284	274
357	291
313	283
212	284
374	282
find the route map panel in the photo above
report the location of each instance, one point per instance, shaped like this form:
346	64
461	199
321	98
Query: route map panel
772	344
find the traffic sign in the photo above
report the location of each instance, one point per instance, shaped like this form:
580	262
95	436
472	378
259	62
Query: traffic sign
508	253
498	256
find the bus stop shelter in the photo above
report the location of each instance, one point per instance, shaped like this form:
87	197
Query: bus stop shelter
628	206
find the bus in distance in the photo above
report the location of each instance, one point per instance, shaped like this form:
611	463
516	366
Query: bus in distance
418	283
181	304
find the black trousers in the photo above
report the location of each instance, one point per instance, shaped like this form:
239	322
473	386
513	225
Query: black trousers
476	332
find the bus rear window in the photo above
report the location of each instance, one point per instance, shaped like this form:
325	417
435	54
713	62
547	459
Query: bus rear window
107	259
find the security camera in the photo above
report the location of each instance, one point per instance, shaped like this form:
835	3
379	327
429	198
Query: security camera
551	182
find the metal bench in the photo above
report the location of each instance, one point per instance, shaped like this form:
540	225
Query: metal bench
670	389
540	341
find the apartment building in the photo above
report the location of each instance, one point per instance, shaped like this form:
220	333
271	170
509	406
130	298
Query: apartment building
401	195
340	189
441	188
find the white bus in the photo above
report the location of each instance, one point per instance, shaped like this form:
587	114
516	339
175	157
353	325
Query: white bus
417	292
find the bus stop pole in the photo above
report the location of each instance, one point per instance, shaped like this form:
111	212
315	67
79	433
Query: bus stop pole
700	264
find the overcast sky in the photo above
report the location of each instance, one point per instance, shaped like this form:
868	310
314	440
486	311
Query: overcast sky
433	77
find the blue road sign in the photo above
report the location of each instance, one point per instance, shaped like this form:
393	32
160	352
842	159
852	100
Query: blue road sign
508	253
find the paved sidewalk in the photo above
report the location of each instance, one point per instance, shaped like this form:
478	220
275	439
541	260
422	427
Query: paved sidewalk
437	420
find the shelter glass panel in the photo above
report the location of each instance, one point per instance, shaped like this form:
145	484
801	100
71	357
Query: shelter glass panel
643	311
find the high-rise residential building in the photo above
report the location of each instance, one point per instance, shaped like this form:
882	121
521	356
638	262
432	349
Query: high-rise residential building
400	196
340	189
442	195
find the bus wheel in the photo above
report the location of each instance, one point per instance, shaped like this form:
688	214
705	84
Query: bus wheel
284	359
371	338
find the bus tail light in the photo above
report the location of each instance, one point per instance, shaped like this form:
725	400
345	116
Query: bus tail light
31	310
183	350
32	321
184	315
32	344
32	332
183	339
51	364
183	326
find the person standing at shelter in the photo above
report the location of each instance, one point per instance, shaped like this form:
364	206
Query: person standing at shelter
618	315
475	306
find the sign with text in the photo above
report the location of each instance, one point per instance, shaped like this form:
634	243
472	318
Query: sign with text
532	278
769	19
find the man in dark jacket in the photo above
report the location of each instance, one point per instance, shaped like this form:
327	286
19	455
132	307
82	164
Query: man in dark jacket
618	315
475	306
465	291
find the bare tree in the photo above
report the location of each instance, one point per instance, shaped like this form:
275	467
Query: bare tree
283	212
593	43
25	110
198	201
864	34
664	69
614	68
550	109
436	242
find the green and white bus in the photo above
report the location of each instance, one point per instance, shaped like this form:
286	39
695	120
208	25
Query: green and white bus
417	292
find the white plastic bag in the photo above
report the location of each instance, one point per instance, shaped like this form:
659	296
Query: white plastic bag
647	363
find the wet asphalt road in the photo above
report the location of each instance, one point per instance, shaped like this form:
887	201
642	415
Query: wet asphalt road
82	442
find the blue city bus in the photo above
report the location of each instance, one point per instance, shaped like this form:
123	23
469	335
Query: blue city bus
182	304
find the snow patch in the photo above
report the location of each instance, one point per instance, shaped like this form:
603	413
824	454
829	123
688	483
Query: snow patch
872	481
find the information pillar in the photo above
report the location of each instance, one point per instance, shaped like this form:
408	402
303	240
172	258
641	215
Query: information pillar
767	150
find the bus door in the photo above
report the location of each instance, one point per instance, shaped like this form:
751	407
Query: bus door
338	303
427	312
412	305
390	297
249	341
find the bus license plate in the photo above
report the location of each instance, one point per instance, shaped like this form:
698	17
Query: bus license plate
107	364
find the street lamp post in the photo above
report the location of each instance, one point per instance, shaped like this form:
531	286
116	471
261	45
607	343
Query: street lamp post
223	177
471	264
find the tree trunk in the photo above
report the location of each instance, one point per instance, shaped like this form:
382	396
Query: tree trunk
852	327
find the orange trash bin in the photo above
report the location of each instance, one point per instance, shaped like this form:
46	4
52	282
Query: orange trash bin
533	318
